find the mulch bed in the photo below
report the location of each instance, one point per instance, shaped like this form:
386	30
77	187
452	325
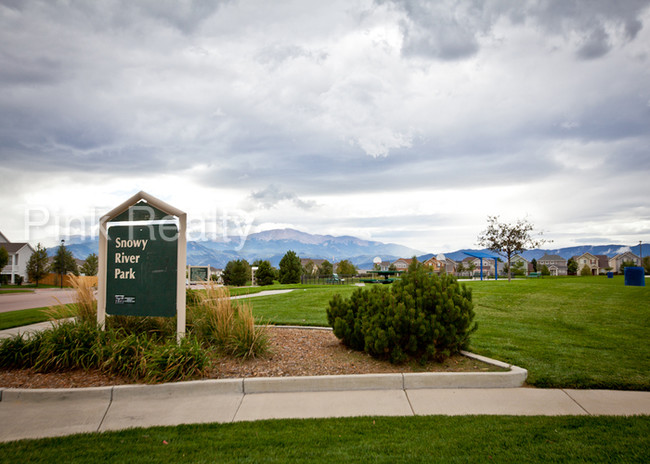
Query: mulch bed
293	352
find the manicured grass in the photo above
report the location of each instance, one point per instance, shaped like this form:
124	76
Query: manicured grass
303	306
580	332
15	290
22	317
583	332
362	440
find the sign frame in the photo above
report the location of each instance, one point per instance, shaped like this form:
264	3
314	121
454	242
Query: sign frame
181	252
190	275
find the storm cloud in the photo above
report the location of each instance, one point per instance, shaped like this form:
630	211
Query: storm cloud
334	117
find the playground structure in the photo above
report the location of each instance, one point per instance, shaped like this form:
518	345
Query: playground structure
387	277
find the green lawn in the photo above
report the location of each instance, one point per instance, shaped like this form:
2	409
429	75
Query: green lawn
4	290
584	332
22	317
358	440
302	306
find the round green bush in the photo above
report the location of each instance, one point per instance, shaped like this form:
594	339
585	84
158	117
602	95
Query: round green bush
422	316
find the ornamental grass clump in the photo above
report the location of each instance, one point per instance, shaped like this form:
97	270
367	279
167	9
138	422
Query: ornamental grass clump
216	320
422	316
133	347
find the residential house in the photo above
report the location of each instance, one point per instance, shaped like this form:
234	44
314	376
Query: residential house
603	264
450	266
19	254
436	265
525	264
616	261
488	266
445	264
216	274
316	264
402	264
556	265
587	259
384	265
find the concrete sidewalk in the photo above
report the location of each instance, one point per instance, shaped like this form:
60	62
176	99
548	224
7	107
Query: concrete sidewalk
41	413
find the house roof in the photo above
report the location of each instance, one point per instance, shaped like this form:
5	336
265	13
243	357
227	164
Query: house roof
552	258
3	239
13	248
603	261
627	253
584	254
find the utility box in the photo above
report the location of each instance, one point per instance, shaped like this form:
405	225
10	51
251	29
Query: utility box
635	276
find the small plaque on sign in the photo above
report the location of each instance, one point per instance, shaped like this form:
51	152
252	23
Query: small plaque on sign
121	299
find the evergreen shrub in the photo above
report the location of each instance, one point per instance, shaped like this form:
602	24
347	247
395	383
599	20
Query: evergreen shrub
422	316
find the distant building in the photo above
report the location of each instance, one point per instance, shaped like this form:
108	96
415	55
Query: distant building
603	264
402	264
591	261
317	263
525	266
616	261
19	254
556	265
434	265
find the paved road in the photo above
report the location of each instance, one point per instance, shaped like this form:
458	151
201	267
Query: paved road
37	299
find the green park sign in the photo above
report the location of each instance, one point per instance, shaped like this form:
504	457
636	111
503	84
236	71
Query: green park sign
141	273
142	255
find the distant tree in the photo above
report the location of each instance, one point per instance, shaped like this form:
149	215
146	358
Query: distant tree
646	264
625	264
376	267
534	263
37	264
518	268
236	273
309	269
64	262
90	266
392	267
345	267
290	268
4	257
508	239
571	267
585	271
470	268
545	271
265	273
326	269
460	269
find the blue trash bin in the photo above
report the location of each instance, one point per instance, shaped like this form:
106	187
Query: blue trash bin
610	275
635	276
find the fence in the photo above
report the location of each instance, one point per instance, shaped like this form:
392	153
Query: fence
329	280
55	279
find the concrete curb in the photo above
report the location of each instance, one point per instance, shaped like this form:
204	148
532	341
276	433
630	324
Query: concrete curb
38	395
513	378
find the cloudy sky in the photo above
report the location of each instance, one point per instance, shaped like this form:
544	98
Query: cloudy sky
392	120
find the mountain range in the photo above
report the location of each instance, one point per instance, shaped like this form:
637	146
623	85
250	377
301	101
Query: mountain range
273	244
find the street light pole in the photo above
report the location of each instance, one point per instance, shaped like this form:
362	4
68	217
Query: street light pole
61	263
